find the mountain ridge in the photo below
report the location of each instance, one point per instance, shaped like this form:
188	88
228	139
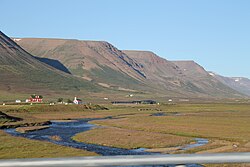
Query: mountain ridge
102	63
241	84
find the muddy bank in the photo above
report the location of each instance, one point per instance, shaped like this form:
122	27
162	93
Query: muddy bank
30	128
26	124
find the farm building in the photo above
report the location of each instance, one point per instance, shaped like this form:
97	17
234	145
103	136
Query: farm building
135	102
35	99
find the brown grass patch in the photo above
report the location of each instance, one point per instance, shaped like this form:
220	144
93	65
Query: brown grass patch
130	139
18	147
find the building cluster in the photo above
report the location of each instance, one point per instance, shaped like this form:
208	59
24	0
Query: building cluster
39	99
135	102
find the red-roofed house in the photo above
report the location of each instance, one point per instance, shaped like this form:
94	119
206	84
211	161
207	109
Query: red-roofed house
35	99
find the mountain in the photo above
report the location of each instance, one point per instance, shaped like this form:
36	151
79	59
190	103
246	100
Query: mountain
160	73
99	62
24	73
240	84
133	71
54	63
203	80
181	76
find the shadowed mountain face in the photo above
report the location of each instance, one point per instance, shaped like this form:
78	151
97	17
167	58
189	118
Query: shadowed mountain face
103	64
240	84
21	72
54	63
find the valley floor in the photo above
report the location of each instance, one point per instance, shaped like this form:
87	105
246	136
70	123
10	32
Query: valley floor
158	128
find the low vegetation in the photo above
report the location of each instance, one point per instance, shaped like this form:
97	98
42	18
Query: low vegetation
130	139
18	147
226	125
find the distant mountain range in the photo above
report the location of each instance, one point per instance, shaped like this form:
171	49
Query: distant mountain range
240	84
97	66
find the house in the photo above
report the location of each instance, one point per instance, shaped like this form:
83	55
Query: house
77	101
18	101
35	99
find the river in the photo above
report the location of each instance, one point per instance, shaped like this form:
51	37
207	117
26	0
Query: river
66	130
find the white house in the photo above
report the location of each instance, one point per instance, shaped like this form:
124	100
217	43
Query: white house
77	101
18	101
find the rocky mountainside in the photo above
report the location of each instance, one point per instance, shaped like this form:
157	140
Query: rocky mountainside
202	80
180	76
135	71
99	62
240	84
22	72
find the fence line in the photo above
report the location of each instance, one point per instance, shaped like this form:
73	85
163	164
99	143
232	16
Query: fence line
174	159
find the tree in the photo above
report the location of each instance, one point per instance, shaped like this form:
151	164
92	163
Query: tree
70	101
60	100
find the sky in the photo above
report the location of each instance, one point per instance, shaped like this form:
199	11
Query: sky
214	33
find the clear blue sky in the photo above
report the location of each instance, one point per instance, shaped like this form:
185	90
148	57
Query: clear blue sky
214	33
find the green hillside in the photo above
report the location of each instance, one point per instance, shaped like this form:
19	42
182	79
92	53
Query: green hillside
20	72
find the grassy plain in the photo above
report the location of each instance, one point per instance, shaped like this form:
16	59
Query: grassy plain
226	125
130	139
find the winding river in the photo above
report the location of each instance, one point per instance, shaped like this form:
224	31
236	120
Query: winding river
66	130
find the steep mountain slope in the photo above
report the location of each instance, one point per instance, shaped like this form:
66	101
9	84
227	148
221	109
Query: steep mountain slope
203	81
21	72
159	72
240	84
99	62
182	76
102	63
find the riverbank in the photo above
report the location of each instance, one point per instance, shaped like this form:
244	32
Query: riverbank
30	128
61	133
